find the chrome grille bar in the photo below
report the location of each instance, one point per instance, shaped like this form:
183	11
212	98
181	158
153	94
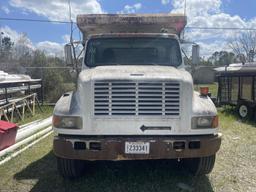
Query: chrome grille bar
135	98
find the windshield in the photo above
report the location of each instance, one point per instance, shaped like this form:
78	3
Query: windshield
133	51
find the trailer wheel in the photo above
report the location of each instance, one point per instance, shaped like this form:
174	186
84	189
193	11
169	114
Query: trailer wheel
70	168
200	166
245	111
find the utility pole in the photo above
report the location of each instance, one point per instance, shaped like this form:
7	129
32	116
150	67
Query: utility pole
185	7
1	33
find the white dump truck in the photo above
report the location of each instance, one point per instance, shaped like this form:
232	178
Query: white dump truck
134	99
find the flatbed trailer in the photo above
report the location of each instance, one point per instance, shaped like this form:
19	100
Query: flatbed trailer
237	87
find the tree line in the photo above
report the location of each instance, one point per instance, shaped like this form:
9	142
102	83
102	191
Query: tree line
242	49
19	57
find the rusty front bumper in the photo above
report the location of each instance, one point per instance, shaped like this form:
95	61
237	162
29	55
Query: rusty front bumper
113	147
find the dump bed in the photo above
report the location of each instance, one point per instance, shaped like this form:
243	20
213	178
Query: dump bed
130	23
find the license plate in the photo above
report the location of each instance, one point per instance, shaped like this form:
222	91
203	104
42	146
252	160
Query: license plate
137	147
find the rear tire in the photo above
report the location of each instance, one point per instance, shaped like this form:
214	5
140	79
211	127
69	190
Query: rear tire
200	166
245	111
70	168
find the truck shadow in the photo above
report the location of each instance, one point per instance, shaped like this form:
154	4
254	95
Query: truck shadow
157	175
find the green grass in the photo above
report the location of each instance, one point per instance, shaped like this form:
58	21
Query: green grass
35	169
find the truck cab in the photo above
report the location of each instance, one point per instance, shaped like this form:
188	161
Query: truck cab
134	99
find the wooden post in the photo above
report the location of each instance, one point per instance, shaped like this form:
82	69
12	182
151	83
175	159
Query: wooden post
34	104
18	112
6	117
6	95
23	110
1	113
27	103
12	112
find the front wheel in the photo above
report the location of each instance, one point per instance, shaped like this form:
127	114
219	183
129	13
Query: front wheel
201	165
70	168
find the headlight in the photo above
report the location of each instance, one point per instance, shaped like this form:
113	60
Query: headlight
205	122
70	122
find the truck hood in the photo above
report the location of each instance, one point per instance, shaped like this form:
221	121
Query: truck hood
134	72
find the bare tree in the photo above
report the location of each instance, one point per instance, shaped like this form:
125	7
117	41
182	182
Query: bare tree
23	46
244	45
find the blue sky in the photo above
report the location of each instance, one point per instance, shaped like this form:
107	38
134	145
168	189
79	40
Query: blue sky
53	32
245	9
220	13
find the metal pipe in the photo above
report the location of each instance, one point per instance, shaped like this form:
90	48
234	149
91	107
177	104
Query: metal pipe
33	124
30	123
19	88
32	129
25	148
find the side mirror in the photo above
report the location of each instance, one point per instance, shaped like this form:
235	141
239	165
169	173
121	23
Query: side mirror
195	54
68	52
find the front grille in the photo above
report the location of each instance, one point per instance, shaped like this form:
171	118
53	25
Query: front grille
136	98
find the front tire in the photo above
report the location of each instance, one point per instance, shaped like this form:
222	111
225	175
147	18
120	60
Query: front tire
200	166
70	168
